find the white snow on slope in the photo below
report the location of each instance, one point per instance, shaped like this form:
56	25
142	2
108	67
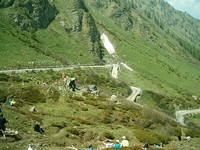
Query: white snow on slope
107	44
126	66
109	47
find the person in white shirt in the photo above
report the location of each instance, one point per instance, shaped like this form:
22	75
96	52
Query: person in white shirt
108	143
125	142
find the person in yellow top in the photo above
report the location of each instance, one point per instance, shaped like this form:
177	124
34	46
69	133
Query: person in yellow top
125	142
12	103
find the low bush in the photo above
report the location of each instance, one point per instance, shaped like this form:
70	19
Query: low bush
78	98
3	79
16	79
151	137
108	135
85	121
84	108
73	131
2	96
59	125
192	132
91	102
31	94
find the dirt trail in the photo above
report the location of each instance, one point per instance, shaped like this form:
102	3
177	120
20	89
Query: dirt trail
136	92
114	72
55	69
180	115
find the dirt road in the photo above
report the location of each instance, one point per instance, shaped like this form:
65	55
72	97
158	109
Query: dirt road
180	115
55	69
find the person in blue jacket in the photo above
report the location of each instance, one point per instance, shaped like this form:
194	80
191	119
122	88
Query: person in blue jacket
116	144
90	147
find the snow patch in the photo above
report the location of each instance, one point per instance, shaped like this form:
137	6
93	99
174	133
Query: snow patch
107	44
126	66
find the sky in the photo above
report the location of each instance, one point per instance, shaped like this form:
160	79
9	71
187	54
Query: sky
192	7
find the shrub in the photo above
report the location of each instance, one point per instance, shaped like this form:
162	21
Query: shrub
78	98
30	94
16	79
2	96
4	79
91	102
192	132
108	135
73	131
151	137
106	120
84	108
85	121
155	116
60	125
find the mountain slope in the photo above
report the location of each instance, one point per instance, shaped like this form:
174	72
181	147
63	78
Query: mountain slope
159	43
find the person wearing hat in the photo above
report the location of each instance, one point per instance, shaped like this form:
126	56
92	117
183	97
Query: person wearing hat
116	144
125	142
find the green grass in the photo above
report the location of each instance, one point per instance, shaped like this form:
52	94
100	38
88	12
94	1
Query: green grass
166	73
68	119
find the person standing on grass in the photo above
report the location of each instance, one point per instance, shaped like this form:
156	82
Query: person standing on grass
188	138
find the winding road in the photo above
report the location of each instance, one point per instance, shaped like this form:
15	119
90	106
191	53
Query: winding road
180	115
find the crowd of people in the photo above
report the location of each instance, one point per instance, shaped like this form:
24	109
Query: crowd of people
37	127
108	143
116	143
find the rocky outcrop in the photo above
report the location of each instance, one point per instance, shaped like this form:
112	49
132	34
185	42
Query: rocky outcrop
30	14
78	20
114	11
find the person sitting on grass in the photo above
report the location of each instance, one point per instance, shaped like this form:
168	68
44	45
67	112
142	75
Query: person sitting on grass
125	142
108	143
38	128
116	144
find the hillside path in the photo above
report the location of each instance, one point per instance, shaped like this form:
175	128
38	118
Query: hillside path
56	69
180	115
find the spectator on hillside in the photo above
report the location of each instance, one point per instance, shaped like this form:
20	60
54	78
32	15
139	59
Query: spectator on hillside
90	147
2	124
11	102
179	138
116	144
125	142
145	146
38	128
188	138
108	143
0	108
156	145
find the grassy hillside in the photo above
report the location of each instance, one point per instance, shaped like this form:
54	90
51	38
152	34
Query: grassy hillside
79	118
160	44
